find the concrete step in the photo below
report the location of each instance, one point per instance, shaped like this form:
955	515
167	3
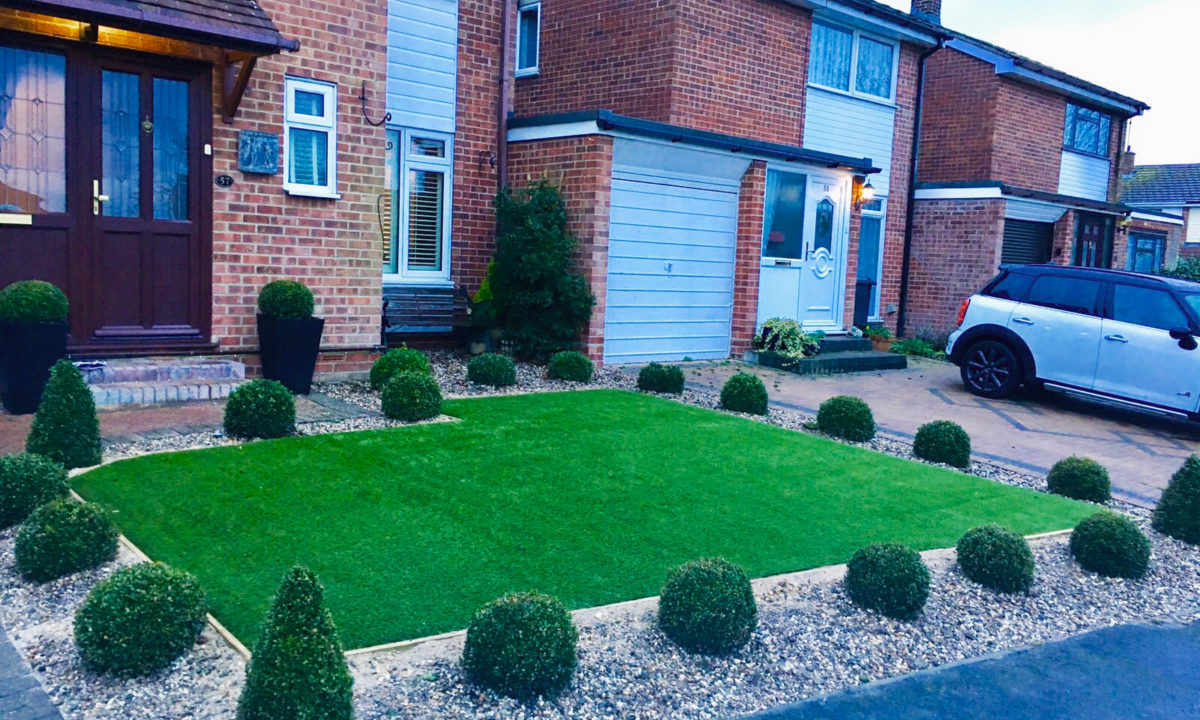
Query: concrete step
160	370
834	363
844	343
116	394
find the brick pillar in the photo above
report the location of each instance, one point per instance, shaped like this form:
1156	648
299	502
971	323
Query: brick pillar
749	256
1064	239
852	264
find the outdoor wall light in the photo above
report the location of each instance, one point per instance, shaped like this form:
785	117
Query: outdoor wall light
864	191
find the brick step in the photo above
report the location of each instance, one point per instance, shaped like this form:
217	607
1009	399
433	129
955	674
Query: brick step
160	370
835	363
844	343
115	394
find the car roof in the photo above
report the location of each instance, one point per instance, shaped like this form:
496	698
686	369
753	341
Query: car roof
1102	274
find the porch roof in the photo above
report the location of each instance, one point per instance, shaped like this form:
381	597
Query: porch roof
997	189
240	25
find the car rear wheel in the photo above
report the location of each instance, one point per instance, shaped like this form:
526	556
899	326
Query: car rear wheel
991	369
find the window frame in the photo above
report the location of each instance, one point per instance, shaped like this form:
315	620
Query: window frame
853	90
877	292
326	123
523	7
1107	137
404	161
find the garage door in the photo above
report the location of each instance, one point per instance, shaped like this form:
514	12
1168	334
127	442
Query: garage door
671	253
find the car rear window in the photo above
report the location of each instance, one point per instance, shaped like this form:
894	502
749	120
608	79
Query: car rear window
1072	294
1009	286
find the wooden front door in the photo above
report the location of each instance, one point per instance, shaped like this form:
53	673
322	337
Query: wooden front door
1093	241
121	205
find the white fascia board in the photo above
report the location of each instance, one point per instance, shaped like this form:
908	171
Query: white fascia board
1158	219
550	132
965	193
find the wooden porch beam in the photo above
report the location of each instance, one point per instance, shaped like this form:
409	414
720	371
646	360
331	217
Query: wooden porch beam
236	69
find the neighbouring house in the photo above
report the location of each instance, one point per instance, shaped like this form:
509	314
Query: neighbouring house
1018	163
1170	196
725	162
161	162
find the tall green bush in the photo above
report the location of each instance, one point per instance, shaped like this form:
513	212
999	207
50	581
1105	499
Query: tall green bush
1185	268
541	302
297	669
26	482
1178	511
66	428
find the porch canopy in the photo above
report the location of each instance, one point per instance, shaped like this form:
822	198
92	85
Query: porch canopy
237	25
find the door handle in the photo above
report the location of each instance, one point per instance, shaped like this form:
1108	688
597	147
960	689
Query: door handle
1116	338
97	197
1023	320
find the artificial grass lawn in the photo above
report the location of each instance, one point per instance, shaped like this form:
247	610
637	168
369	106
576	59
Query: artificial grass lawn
589	496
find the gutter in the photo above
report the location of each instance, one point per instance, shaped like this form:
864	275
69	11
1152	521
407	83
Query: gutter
910	209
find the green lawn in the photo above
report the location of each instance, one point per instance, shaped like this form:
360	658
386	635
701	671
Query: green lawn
590	496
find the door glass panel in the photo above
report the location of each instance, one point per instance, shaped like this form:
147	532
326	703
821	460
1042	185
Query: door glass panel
32	132
783	221
823	239
121	143
425	220
170	149
1147	307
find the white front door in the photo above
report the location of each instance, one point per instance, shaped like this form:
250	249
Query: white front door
805	238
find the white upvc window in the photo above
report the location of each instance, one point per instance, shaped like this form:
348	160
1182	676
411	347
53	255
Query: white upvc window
529	37
417	243
310	138
853	62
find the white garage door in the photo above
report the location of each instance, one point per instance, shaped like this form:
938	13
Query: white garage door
671	254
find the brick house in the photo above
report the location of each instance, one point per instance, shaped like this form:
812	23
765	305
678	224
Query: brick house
1018	163
1170	195
162	162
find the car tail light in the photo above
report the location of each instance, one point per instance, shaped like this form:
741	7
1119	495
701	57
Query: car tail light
962	311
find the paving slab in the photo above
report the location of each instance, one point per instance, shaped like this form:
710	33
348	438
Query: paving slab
21	695
1131	671
1029	432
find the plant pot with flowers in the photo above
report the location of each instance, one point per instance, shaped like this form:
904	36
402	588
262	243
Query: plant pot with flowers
33	336
289	337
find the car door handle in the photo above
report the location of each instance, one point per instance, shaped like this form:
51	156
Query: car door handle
1116	338
1023	320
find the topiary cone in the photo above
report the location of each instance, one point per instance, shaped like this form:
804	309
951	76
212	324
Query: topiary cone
65	428
297	669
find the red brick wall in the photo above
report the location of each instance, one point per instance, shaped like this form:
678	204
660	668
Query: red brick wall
1064	239
582	169
748	258
957	119
897	206
1028	138
955	251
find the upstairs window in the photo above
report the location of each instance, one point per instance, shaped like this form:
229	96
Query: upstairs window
851	62
310	138
529	37
1087	130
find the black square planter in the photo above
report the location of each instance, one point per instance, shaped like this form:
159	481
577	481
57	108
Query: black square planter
27	352
289	348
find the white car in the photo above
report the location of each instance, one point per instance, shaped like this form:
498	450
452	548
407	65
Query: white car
1104	335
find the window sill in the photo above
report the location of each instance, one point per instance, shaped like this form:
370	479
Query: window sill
873	99
527	72
1085	153
311	192
390	279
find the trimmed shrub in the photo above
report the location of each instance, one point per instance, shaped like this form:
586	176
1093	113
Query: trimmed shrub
396	361
1080	478
744	393
33	301
521	645
917	347
64	537
943	441
286	300
26	482
412	396
297	669
65	428
996	558
890	579
667	379
139	620
708	607
1111	545
1178	512
846	417
260	409
570	366
787	337
492	369
540	301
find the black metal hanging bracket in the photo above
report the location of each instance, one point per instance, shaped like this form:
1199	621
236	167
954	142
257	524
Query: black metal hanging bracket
362	97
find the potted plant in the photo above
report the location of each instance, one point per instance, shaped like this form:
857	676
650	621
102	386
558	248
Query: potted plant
289	337
485	335
880	337
33	336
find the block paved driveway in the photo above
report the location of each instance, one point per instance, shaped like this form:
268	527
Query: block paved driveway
1028	433
1118	673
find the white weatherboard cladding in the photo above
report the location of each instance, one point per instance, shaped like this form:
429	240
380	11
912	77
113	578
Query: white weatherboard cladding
671	253
1033	211
1193	225
1083	176
422	62
836	123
